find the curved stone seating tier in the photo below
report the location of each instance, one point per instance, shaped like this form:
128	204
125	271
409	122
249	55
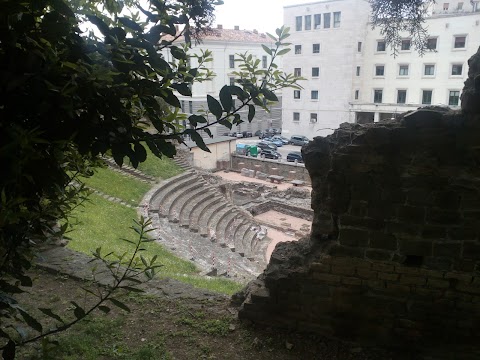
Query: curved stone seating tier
174	204
196	222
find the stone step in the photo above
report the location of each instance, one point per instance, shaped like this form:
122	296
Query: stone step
173	205
201	208
185	203
163	188
200	199
204	219
215	221
172	192
239	235
225	237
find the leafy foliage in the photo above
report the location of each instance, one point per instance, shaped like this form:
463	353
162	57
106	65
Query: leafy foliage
400	18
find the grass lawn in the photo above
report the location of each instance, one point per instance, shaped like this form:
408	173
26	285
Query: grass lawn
129	189
102	223
163	168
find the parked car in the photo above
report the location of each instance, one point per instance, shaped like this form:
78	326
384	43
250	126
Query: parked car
270	154
295	156
276	131
284	140
258	132
239	135
266	145
247	134
277	142
299	140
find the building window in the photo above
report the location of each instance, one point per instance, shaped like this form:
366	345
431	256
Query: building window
315	72
453	98
297	72
377	96
460	6
232	81
401	96
445	6
231	61
308	22
313	117
326	20
358	70
359	46
379	70
403	70
316	48
190	107
427	97
317	20
380	45
432	44
296	94
314	95
457	69
264	61
296	116
298	23
459	42
475	7
429	70
298	49
336	19
406	44
182	105
357	93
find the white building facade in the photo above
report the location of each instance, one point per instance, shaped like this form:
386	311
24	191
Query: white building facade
353	77
225	45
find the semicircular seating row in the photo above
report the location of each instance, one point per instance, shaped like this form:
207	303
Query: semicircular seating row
198	223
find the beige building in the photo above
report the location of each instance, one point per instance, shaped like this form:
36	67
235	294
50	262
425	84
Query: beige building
221	149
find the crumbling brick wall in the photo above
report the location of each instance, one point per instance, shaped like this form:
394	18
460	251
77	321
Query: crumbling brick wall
394	254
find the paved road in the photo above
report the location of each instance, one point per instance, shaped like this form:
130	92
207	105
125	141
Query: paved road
284	150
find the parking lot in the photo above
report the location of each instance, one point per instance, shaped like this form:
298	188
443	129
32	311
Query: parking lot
284	150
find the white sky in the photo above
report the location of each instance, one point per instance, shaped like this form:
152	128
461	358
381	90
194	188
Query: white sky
263	15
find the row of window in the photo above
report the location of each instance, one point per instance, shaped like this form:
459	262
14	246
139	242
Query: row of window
315	49
404	70
315	71
459	7
297	94
317	21
190	106
231	61
459	42
453	97
313	117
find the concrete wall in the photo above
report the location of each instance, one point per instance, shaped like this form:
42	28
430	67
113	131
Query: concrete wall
218	152
271	167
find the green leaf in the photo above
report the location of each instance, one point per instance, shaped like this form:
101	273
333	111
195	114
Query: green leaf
129	23
196	119
269	95
78	311
251	112
183	89
226	98
119	304
51	314
62	7
30	320
236	90
170	98
99	23
267	49
283	51
209	133
197	139
178	53
226	123
140	152
214	107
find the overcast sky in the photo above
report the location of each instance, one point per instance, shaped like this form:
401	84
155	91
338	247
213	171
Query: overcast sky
263	15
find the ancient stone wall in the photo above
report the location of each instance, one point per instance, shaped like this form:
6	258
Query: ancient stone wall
394	254
290	171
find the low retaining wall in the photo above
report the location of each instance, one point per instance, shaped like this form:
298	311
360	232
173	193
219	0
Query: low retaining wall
271	167
258	209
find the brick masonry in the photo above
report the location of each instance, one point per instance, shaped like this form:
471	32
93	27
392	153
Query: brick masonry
394	255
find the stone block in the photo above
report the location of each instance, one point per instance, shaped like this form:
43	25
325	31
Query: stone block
380	255
438	283
464	265
419	196
443	217
400	289
415	247
438	263
251	173
412	280
320	267
318	290
407	270
383	267
447	200
471	249
411	214
463	232
353	237
260	175
388	276
466	278
244	172
339	250
448	249
380	240
434	232
343	270
402	228
351	280
361	222
327	278
375	284
358	208
366	274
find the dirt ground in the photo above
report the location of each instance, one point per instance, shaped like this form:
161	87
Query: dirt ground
234	176
159	328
